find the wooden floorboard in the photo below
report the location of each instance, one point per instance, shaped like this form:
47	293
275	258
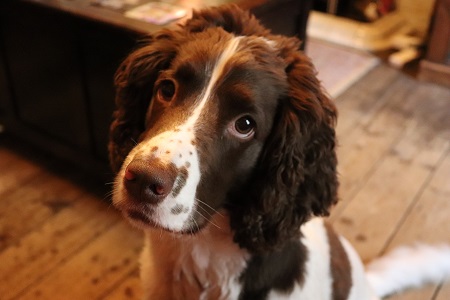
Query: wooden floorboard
365	144
36	201
95	269
58	235
130	288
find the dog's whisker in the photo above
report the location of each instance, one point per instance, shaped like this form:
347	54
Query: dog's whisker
206	211
110	206
196	225
134	141
209	206
107	196
208	220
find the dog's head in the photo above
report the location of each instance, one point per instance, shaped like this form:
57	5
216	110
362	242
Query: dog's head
220	114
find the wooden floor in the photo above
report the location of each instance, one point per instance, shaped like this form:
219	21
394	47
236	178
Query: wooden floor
60	240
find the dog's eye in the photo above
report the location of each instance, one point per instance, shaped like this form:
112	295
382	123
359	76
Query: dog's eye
166	90
243	127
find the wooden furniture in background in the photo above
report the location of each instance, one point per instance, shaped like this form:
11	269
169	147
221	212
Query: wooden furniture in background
436	65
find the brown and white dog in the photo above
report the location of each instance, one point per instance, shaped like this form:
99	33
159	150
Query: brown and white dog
224	147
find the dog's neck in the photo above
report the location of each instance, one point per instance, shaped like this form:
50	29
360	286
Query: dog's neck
207	264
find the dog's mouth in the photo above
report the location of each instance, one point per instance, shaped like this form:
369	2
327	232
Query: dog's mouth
144	221
140	219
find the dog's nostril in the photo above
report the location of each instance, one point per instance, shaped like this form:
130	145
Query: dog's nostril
129	175
158	189
149	181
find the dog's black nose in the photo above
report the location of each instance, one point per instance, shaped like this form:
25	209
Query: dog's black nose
149	181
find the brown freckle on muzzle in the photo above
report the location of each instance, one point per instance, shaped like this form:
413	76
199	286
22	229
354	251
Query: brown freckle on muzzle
180	182
177	209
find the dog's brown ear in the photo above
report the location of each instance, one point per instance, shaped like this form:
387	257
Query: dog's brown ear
134	82
296	176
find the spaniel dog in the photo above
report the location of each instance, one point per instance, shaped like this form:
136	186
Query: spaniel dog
224	146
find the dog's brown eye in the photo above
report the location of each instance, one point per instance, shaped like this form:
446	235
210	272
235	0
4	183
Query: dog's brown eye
166	90
243	127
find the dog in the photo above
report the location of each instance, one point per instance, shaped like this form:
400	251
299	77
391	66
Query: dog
223	142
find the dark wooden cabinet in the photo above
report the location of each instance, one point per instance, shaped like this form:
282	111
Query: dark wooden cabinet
435	66
102	48
6	107
46	73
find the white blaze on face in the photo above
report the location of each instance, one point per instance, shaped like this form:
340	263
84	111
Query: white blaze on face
177	146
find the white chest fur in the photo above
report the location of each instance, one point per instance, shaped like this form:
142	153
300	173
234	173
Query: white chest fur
204	266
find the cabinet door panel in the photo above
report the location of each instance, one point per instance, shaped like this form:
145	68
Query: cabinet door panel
104	48
44	62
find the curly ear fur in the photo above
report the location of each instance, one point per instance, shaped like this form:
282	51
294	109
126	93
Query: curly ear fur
134	82
295	177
